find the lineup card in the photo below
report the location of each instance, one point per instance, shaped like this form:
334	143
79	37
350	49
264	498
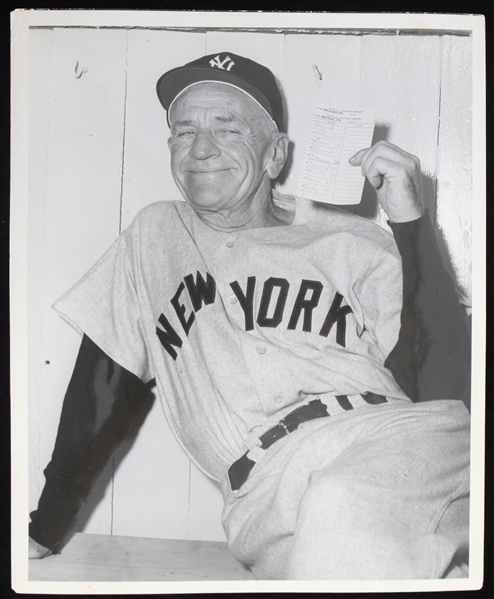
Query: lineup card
335	136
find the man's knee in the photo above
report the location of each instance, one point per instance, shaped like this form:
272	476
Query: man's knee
346	529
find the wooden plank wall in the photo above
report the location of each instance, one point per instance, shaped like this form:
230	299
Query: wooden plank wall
98	154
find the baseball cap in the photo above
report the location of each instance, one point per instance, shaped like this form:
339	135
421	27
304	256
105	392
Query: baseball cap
251	77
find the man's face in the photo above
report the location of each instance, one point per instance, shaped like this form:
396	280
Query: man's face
220	147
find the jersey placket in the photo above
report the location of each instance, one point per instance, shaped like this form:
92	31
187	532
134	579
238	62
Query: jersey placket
273	384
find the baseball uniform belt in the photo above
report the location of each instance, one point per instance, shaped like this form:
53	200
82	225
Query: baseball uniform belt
239	471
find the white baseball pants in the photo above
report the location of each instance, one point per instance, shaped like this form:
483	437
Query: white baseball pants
379	492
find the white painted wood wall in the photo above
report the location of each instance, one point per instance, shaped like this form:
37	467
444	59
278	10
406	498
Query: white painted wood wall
98	154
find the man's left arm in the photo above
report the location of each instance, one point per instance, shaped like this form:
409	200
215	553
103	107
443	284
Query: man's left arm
432	356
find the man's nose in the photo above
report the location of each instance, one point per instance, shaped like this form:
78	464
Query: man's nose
204	146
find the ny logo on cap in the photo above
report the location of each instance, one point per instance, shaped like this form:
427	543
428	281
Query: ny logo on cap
216	62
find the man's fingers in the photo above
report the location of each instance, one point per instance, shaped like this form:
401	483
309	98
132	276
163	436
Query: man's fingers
384	149
396	177
384	161
375	180
389	153
356	158
381	169
368	167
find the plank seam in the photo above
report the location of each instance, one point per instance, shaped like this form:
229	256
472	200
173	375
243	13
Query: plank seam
123	135
188	499
438	148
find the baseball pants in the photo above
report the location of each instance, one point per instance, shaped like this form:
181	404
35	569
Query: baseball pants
379	492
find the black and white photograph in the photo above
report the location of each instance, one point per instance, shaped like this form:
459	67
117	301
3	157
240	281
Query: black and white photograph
248	323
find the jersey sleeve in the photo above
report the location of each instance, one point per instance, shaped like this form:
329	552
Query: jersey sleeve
104	305
381	298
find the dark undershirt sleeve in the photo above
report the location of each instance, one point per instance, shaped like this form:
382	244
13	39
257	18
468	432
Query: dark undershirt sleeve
431	359
102	401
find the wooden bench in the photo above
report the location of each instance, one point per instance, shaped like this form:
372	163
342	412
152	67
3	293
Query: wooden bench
90	557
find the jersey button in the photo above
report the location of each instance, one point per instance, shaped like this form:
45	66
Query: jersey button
233	299
261	348
278	400
230	243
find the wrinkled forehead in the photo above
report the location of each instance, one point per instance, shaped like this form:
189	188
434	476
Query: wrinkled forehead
219	97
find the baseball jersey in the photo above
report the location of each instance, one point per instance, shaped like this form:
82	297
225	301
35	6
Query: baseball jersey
239	328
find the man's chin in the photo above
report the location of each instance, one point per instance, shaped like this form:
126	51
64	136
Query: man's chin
206	201
203	206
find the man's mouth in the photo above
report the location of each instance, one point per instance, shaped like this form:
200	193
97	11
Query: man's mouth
207	172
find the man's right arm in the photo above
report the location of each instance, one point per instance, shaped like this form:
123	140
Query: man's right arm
431	358
102	401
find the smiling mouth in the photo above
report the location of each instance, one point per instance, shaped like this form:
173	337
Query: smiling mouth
195	172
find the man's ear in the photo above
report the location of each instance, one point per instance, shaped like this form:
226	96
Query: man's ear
278	154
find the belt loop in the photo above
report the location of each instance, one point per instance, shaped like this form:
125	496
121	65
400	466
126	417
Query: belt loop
344	402
373	398
252	443
255	453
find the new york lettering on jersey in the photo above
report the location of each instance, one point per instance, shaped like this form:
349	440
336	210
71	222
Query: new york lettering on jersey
273	309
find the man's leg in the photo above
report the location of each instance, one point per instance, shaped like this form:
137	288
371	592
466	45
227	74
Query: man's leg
393	505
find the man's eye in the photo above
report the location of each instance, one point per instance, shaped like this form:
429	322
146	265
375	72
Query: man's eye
230	131
184	133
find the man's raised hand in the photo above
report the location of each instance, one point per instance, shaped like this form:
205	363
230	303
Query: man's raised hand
396	177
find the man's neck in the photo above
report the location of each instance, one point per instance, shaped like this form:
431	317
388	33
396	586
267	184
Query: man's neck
261	212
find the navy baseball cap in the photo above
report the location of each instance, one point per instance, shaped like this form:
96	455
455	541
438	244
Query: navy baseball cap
249	76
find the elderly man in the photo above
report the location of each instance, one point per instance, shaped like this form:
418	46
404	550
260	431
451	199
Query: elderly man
307	360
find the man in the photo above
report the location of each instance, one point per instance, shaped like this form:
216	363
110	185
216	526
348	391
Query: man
305	359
